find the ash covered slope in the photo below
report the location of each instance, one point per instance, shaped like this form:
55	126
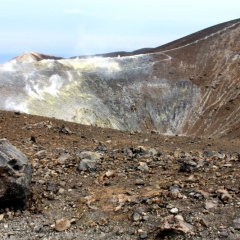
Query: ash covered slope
212	63
191	89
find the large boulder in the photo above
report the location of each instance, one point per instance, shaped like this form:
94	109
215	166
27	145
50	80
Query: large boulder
15	175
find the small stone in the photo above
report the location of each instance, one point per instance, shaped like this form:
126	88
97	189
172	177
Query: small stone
87	164
139	181
143	235
179	218
204	233
223	234
109	173
136	217
41	154
204	194
118	208
31	225
119	232
174	210
191	179
209	204
203	222
61	190
62	224
64	129
101	147
236	223
63	158
174	193
50	187
41	182
62	183
107	182
187	166
224	195
227	165
143	167
170	206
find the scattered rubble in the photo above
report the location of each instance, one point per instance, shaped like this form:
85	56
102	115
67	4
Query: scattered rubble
126	191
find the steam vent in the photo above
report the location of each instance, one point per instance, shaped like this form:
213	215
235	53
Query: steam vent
189	86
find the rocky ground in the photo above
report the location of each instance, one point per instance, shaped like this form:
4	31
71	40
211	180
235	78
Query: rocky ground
94	183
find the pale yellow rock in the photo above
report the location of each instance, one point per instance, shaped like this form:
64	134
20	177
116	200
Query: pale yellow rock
62	224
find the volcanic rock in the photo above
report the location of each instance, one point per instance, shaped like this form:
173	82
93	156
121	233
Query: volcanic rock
86	164
236	223
175	224
15	175
62	224
95	156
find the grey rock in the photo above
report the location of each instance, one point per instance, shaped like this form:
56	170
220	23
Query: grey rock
236	223
139	181
127	152
187	166
204	233
101	147
15	175
174	210
63	158
95	156
223	234
143	235
136	216
87	165
51	187
143	167
40	154
65	130
144	151
174	193
211	204
175	223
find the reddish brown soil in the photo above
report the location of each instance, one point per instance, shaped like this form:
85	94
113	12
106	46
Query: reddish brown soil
102	207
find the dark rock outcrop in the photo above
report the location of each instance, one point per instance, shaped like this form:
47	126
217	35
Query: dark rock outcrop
15	175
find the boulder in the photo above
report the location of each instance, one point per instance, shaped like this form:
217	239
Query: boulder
15	175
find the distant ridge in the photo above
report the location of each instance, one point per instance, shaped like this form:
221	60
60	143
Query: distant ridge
32	57
35	56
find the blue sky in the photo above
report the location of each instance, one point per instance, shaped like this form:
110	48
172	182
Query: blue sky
78	27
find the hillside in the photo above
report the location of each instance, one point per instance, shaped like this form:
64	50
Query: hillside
189	86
